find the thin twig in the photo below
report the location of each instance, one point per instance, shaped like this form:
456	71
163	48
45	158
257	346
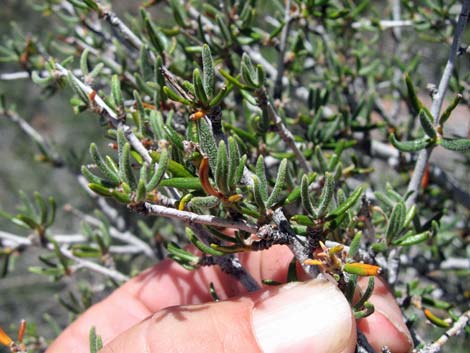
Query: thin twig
126	237
438	99
190	217
67	253
456	328
300	250
282	51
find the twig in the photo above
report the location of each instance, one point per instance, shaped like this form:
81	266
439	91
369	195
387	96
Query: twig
190	217
456	328
67	253
282	51
284	132
383	24
126	237
34	135
438	99
300	250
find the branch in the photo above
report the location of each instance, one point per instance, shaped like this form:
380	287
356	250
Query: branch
300	250
458	326
126	237
438	98
190	217
282	51
81	263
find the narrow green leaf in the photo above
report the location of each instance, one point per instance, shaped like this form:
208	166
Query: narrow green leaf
233	161
103	166
95	341
427	124
182	183
84	62
414	100
200	245
305	196
458	145
100	189
207	142
446	115
258	198
221	169
412	239
174	96
232	79
365	297
240	169
125	168
208	71
204	202
396	221
92	178
279	185
76	88
160	170
355	244
326	194
346	205
199	87
410	146
261	174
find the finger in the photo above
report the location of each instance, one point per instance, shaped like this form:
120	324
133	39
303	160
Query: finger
301	317
386	326
166	284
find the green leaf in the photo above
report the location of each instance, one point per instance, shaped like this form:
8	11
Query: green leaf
365	297
182	183
199	87
232	79
105	167
157	38
458	145
92	178
221	168
326	194
233	161
76	88
160	170
200	245
96	342
208	71
446	115
410	146
346	205
204	202
261	174
100	189
125	168
412	239
355	244
145	64
305	196
427	123
396	221
174	96
414	100
240	169
279	185
207	142
84	62
258	198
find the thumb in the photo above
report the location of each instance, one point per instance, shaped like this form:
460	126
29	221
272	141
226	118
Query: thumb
298	317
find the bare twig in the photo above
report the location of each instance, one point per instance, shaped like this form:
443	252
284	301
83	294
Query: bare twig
190	217
282	50
438	99
81	263
456	328
300	250
126	237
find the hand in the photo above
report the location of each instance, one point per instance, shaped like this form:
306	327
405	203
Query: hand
169	309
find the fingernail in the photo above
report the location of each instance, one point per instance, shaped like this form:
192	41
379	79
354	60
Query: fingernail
312	316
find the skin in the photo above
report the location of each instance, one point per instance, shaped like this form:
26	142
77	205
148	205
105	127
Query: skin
151	312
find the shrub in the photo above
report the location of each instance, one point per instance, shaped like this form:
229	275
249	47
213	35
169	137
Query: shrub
268	119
